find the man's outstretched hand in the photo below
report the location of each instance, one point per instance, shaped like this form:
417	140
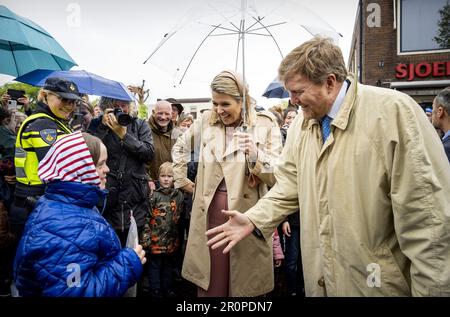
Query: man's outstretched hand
231	232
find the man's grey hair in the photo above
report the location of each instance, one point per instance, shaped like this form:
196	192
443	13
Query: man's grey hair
107	102
443	99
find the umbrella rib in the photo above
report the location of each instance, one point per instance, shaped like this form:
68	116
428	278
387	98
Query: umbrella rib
261	34
273	38
222	34
257	20
224	28
57	62
235	26
267	26
251	33
166	37
14	57
195	53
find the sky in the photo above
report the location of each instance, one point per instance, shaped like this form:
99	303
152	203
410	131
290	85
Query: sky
113	38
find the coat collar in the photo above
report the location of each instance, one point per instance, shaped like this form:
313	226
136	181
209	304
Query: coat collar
343	115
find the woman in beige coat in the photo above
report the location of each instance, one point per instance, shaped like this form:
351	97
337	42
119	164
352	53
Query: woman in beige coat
228	179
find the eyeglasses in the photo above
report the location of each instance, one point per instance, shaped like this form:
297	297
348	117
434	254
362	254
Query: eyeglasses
64	100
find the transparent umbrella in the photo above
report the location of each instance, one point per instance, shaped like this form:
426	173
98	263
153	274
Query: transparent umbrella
240	35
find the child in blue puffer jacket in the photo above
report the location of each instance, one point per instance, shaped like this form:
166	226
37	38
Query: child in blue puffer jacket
68	248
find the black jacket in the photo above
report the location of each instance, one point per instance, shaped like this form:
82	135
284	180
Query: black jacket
129	191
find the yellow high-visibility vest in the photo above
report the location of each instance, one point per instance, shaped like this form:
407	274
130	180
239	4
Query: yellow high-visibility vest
25	159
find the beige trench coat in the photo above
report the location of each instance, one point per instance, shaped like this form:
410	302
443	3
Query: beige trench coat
374	199
251	263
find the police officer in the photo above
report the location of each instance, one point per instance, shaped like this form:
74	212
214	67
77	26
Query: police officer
56	104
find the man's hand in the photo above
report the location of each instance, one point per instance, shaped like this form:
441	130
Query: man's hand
110	120
231	232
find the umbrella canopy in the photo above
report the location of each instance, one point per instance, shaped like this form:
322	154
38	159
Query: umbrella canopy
25	46
87	83
275	90
235	34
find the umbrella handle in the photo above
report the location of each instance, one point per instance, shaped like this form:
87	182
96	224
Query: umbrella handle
247	171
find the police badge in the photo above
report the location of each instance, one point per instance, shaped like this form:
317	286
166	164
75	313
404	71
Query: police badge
48	135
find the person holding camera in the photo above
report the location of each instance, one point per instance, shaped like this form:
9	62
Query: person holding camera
83	114
16	99
130	148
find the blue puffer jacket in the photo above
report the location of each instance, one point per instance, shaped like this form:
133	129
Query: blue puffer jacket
65	237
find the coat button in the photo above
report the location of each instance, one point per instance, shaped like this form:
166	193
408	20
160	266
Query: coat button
246	196
321	282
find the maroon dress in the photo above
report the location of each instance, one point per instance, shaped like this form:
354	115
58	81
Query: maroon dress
219	284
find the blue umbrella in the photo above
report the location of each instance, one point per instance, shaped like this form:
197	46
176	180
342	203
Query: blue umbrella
275	90
25	46
87	83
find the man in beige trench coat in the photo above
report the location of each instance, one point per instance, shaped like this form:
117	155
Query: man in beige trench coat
373	187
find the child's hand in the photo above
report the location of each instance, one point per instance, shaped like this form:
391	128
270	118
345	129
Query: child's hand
152	186
286	228
141	254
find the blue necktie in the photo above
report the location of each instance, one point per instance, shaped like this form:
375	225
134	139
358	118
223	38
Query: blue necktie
325	125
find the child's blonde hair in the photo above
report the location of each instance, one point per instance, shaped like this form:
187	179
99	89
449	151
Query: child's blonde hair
166	168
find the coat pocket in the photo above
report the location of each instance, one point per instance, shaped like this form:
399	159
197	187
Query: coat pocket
139	187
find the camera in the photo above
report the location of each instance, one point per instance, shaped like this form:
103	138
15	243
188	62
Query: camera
12	104
123	118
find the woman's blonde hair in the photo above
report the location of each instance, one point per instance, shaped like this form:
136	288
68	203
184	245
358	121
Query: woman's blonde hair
231	83
42	94
314	60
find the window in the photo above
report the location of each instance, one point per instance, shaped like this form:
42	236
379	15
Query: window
419	25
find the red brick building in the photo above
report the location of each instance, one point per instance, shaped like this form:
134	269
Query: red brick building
393	46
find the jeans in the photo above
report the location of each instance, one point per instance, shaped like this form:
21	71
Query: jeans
160	269
293	263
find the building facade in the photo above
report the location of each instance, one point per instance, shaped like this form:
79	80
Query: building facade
193	106
403	45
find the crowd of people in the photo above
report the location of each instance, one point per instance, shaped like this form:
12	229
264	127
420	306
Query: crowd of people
348	187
